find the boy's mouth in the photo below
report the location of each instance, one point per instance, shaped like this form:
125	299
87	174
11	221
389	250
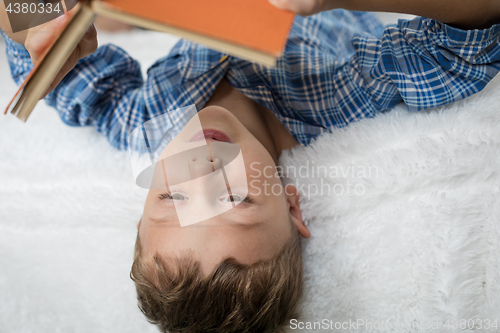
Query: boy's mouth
210	135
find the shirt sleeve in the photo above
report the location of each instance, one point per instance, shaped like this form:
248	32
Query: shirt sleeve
423	62
19	59
105	90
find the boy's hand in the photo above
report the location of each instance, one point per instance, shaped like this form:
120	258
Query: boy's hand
39	38
304	7
463	14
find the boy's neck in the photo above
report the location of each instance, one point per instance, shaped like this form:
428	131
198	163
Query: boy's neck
259	120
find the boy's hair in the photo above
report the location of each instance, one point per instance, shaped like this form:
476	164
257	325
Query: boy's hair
178	298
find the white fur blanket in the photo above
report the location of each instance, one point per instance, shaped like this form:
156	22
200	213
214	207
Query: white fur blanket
416	241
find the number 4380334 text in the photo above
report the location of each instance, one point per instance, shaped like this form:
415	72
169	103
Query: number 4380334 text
33	8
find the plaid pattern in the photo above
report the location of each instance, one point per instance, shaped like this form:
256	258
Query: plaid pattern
338	67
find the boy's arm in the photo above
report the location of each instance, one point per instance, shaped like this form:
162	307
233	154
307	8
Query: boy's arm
464	14
105	90
423	62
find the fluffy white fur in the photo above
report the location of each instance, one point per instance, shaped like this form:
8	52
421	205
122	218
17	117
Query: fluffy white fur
419	244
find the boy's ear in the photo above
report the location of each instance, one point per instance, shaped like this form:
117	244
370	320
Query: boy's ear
292	196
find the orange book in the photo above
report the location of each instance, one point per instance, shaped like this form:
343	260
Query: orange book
250	29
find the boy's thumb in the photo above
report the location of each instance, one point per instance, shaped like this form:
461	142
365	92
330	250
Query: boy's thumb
40	37
57	24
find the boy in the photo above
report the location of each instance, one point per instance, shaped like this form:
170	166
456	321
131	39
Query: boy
338	67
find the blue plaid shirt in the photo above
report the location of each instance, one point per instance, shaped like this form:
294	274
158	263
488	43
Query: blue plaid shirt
338	67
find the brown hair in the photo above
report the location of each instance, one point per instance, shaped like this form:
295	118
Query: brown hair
261	297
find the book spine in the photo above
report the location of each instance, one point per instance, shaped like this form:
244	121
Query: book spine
53	60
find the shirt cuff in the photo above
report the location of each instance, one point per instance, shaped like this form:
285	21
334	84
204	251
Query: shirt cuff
19	59
13	47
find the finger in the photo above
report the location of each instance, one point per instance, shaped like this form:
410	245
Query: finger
301	7
66	68
86	47
88	44
39	38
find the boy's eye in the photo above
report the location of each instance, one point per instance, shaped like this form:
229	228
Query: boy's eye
178	196
234	198
173	196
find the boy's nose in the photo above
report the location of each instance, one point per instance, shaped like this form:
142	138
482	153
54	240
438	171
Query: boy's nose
201	166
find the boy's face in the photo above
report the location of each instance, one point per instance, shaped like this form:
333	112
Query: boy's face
202	208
